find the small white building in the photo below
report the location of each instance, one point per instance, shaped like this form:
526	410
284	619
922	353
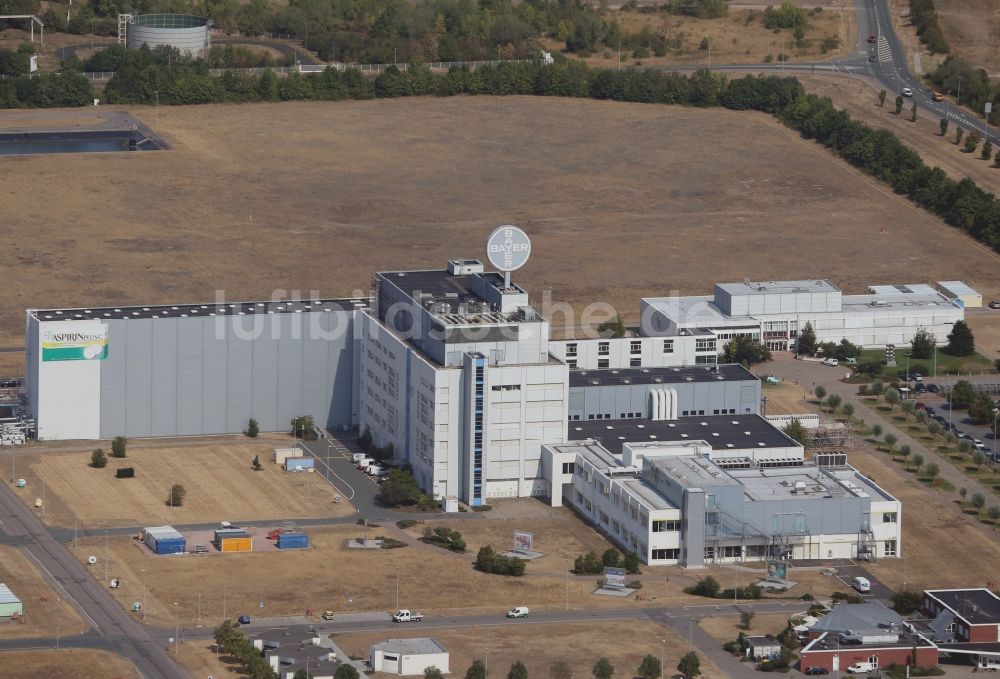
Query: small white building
408	657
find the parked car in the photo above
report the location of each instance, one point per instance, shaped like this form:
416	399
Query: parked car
933	388
830	361
907	92
978	444
815	670
357	457
921	388
917	377
518	612
862	584
861	668
903	377
920	405
243	619
995	304
930	410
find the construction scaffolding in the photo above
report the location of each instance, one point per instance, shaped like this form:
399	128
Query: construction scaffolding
830	436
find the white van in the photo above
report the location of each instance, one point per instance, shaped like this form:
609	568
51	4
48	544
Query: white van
861	668
861	584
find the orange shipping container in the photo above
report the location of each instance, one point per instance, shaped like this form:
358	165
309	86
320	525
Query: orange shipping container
237	545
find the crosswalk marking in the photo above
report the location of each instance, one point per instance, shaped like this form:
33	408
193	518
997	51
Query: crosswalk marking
884	53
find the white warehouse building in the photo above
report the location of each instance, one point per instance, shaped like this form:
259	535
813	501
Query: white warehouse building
775	312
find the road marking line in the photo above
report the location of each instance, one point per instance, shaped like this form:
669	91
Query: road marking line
65	592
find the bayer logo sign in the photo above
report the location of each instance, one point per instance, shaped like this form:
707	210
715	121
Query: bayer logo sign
508	248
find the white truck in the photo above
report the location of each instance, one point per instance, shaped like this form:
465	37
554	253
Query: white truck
861	668
405	615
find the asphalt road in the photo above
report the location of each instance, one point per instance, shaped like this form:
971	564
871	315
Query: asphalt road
110	621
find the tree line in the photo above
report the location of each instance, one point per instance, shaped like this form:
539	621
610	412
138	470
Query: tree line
924	15
880	153
976	87
386	31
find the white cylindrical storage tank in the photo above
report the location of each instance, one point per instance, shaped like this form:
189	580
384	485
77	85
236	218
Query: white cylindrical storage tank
673	404
654	396
190	34
665	405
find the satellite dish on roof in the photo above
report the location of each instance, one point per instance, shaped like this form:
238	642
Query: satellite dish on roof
508	249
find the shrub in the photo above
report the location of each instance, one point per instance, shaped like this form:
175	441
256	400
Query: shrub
588	564
118	446
442	536
488	561
406	523
98	459
906	601
125	473
177	494
253	429
707	587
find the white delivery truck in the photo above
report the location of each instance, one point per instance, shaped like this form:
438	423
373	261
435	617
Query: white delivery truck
405	615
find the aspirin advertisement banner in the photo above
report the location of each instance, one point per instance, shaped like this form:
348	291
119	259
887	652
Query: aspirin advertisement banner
75	342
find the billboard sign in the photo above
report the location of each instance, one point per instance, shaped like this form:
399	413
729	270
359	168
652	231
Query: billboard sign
75	342
508	248
523	541
777	569
614	578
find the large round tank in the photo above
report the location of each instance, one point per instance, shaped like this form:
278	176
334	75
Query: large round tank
190	34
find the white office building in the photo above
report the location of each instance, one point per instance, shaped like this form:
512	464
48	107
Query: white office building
775	312
720	489
455	374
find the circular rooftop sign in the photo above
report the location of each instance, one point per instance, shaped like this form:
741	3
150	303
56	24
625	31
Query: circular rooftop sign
508	248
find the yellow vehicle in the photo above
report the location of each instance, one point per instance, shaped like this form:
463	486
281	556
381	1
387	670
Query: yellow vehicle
937	96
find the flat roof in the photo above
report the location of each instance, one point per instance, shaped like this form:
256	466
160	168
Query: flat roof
693	471
416	646
7	596
777	287
907	289
831	642
977	606
722	432
695	310
200	310
957	287
774	483
163	532
897	301
645	494
692	373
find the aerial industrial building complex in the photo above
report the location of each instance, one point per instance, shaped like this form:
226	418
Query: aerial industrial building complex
456	371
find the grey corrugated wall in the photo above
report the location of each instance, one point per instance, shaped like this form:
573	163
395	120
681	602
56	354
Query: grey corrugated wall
189	376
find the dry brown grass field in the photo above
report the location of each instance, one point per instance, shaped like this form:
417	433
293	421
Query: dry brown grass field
538	646
621	200
432	580
66	662
219	480
860	99
46	611
932	524
787	398
738	38
972	29
727	627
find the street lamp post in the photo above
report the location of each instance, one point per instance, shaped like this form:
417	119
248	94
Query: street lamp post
995	414
397	588
107	559
486	665
177	625
157	93
663	642
145	585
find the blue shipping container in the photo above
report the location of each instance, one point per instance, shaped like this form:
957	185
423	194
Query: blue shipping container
171	546
293	541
